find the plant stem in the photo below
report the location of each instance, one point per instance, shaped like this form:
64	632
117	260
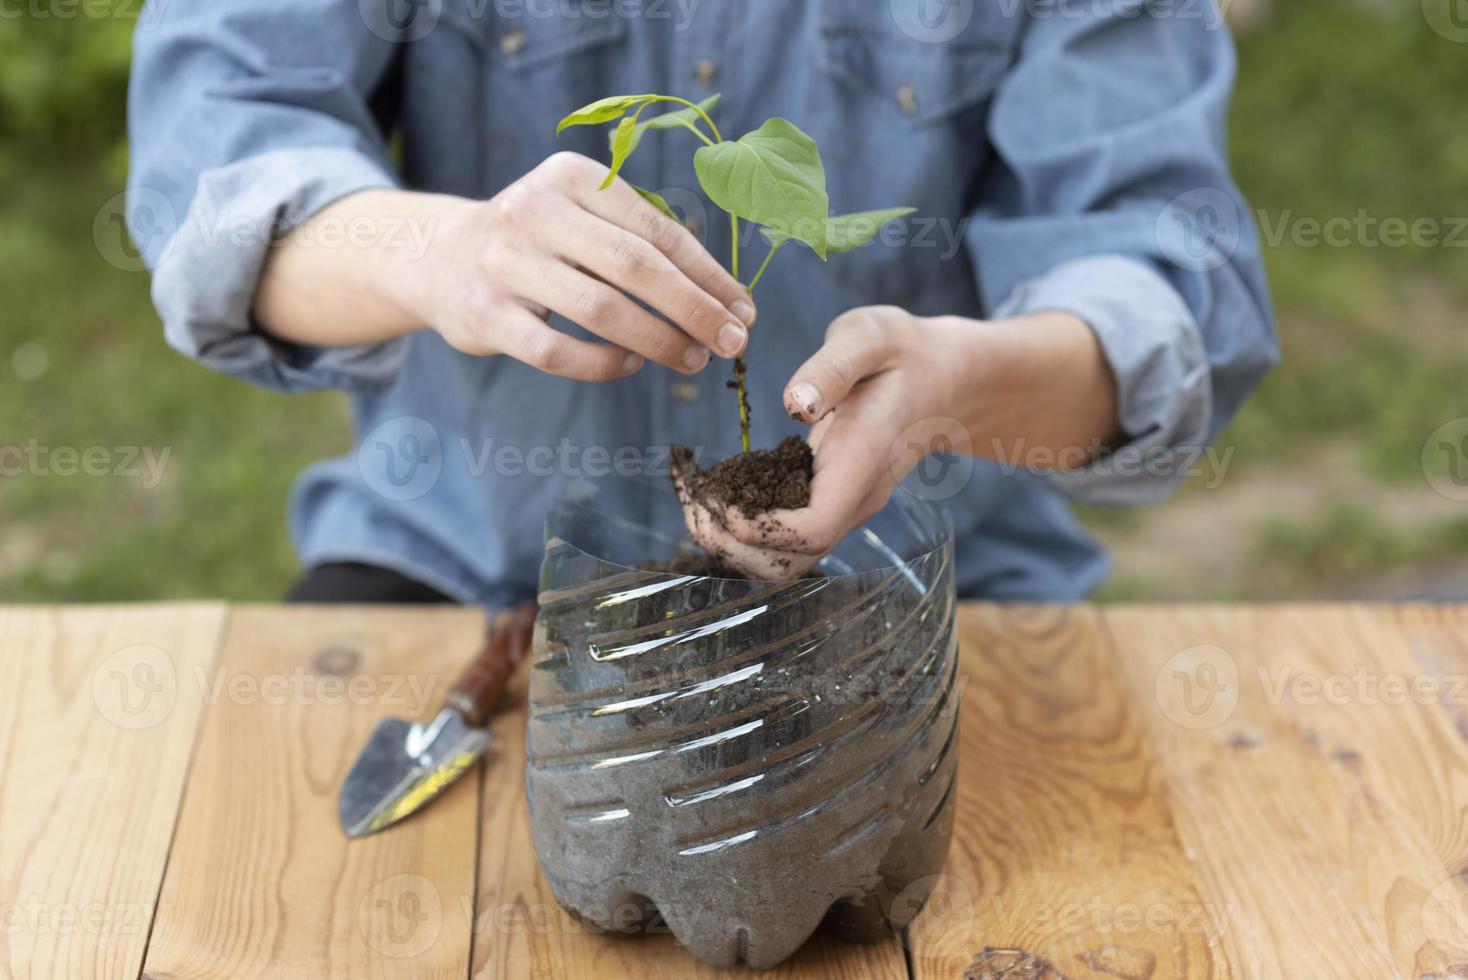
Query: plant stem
696	108
763	266
740	372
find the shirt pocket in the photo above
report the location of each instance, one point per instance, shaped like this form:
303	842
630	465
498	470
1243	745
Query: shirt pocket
898	100
922	61
499	78
522	37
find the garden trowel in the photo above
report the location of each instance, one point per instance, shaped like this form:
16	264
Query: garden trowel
407	764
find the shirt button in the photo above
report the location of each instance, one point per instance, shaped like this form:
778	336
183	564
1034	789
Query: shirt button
907	98
514	41
685	391
705	73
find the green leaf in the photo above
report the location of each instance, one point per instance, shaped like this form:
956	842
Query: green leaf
773	177
657	201
622	147
686	118
848	232
603	110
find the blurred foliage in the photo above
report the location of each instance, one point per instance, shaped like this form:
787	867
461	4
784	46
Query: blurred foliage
1348	541
1348	106
1342	110
63	81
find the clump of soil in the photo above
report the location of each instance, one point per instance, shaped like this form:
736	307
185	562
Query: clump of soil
752	483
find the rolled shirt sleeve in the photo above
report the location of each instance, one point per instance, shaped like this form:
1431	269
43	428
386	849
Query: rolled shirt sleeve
245	120
1112	200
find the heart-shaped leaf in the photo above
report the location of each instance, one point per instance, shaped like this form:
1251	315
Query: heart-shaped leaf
687	118
603	110
773	177
847	232
656	200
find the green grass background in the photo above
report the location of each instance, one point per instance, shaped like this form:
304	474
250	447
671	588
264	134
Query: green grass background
1340	108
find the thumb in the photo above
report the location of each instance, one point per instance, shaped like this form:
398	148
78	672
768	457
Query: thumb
857	346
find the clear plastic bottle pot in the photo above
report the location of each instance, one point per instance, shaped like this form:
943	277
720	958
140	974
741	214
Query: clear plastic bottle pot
742	762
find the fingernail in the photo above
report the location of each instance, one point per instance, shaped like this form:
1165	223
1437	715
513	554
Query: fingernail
631	364
696	358
732	338
743	311
805	396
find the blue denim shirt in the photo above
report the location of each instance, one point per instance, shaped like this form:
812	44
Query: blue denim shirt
1060	156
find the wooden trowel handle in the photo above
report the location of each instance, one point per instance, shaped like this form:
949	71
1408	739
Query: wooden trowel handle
477	690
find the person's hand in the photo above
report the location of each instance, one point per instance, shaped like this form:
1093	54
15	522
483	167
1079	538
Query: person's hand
552	242
884	378
487	274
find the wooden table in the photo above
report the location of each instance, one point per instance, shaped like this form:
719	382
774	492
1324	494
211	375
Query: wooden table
1201	791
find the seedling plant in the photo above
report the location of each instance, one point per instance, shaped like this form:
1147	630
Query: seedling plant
772	177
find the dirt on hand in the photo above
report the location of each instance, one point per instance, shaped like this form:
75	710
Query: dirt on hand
747	487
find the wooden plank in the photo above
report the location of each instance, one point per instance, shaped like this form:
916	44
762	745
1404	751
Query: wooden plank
1298	803
261	882
520	931
1065	857
98	713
